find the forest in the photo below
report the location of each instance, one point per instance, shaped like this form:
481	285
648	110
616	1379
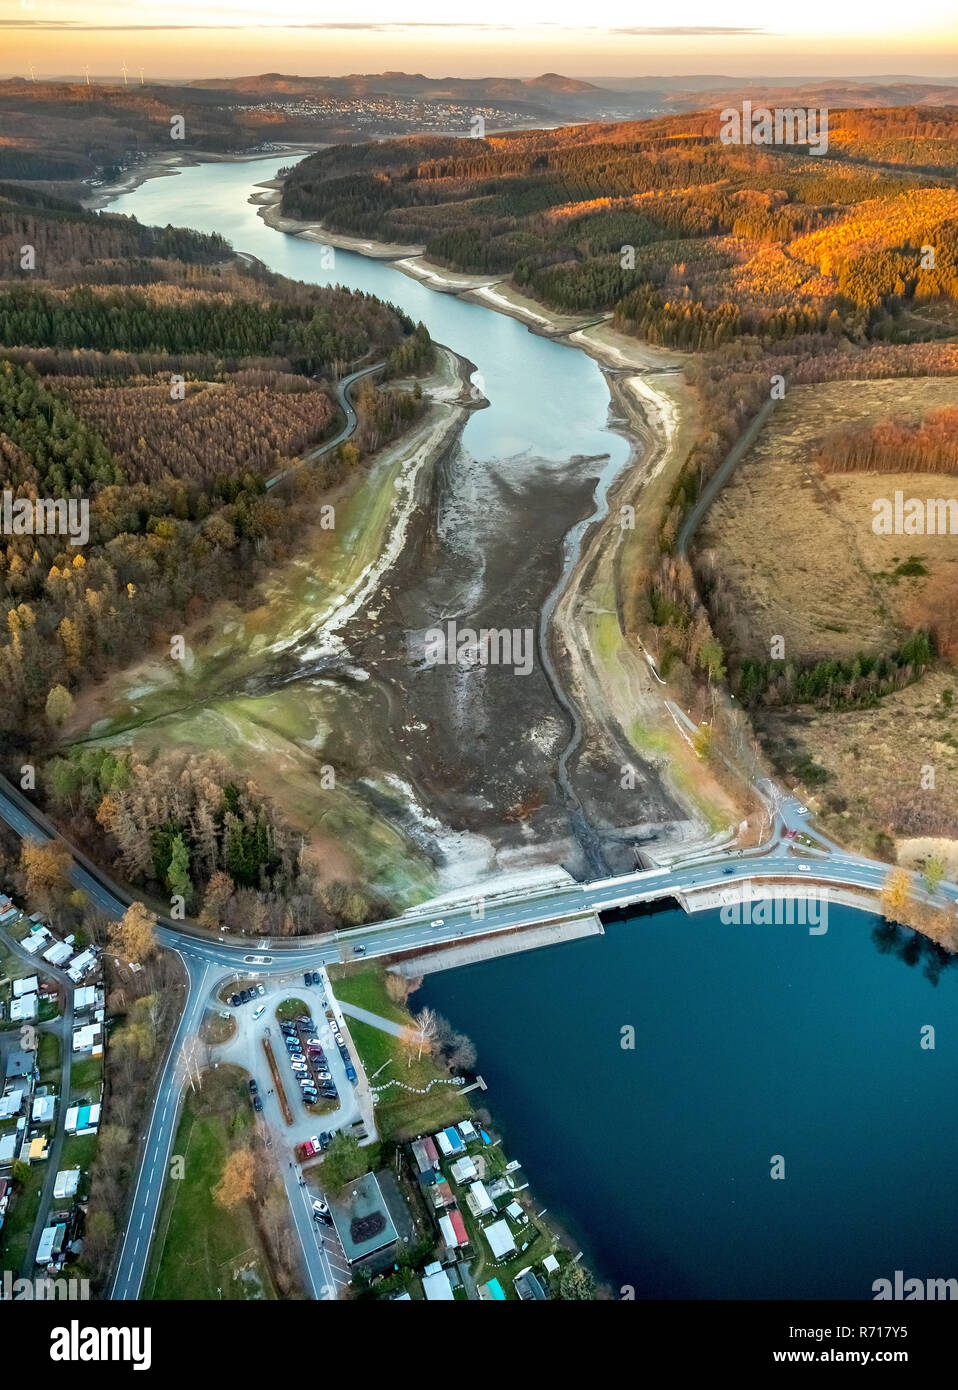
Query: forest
688	242
167	397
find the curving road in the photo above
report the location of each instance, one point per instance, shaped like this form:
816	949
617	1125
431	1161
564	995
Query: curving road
342	395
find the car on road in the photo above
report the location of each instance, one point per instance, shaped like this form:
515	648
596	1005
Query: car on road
728	871
351	1074
802	810
439	922
258	1013
805	868
359	950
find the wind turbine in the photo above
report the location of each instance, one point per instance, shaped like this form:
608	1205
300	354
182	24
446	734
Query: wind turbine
141	77
86	69
123	70
33	75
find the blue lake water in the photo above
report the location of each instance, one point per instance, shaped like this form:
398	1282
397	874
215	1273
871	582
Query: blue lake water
750	1042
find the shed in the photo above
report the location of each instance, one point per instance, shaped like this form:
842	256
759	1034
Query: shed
500	1241
44	1109
436	1285
68	1180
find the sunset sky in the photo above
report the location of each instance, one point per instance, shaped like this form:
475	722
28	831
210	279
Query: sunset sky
501	37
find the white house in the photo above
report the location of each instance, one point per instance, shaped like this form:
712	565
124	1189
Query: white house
500	1240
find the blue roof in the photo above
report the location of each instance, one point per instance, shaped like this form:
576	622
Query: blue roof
456	1140
495	1288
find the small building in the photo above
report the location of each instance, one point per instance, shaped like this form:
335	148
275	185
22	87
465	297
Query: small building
58	954
84	998
456	1141
518	1215
441	1194
29	985
24	1009
83	964
480	1203
499	1239
20	1064
527	1286
448	1233
464	1170
36	1150
362	1218
492	1292
550	1264
83	1119
7	910
51	1243
37	938
436	1285
468	1131
10	1104
425	1153
8	1149
44	1109
459	1226
88	1038
68	1180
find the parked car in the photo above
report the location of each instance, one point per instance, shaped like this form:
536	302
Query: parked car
260	989
324	1139
298	1058
235	1000
351	1074
307	977
317	978
253	1087
244	996
321	1213
323	1076
329	1092
257	1104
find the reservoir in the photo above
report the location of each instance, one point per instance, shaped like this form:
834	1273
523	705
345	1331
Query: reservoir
753	1045
750	1042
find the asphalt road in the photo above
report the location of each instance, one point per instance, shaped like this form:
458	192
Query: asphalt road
342	395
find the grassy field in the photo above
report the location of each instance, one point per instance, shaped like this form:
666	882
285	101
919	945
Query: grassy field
48	1058
202	1250
21	1214
872	761
800	560
796	546
400	1113
86	1077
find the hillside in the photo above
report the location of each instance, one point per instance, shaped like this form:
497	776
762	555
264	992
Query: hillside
690	242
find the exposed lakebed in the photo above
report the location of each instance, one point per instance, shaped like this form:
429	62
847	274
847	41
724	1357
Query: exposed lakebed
450	773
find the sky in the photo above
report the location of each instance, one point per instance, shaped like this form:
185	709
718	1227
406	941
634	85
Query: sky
521	38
